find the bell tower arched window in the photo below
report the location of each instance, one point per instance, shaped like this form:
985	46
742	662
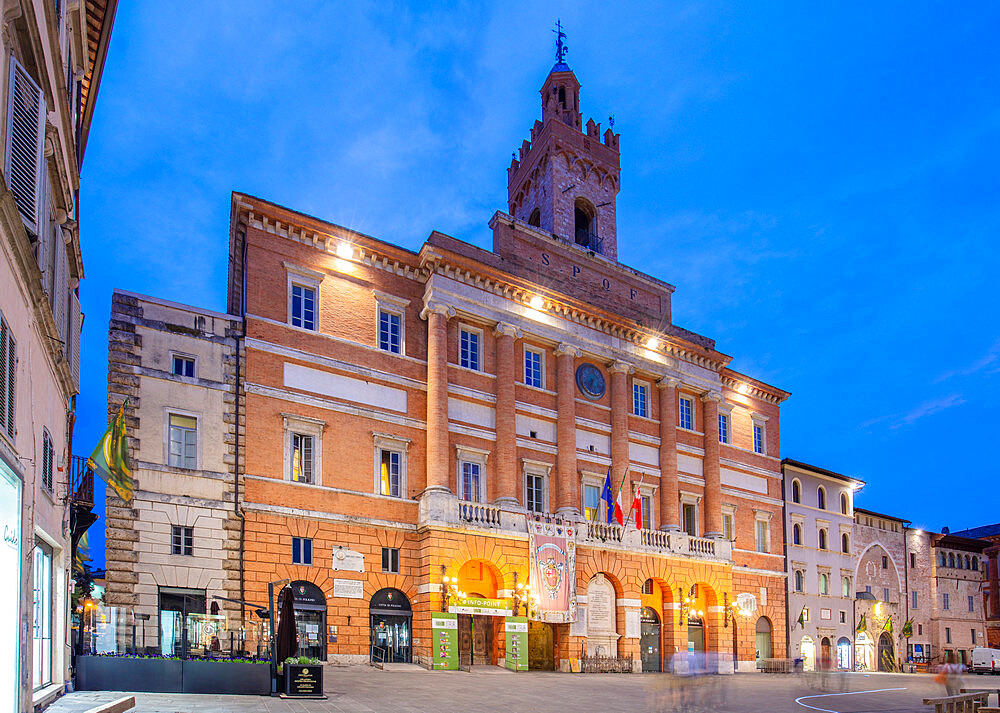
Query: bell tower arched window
583	219
535	218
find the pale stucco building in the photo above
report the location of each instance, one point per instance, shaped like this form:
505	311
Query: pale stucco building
53	54
820	558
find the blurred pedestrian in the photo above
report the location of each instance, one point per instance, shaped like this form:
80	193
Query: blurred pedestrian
950	674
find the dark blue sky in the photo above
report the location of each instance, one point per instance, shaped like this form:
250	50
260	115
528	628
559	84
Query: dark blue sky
819	182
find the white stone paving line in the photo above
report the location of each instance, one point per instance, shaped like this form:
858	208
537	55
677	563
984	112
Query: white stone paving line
827	695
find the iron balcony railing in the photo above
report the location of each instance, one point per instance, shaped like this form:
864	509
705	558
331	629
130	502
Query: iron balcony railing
81	481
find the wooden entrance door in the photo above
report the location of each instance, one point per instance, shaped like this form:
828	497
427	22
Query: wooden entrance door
464	639
541	655
482	640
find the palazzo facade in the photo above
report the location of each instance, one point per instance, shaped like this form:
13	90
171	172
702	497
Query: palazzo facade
407	417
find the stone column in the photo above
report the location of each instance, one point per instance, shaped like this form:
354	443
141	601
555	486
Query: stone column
568	485
437	315
506	448
713	474
669	495
620	371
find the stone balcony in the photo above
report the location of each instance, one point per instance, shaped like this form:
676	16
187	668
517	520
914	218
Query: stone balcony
442	509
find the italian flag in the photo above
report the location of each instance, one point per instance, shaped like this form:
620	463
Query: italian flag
619	513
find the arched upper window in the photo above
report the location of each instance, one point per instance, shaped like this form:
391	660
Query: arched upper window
967	563
821	498
845	543
975	564
798	580
562	96
959	563
824	583
942	559
951	559
822	539
796	492
796	534
583	219
845	587
535	218
843	503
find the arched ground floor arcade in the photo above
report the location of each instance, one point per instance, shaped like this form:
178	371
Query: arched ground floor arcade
464	598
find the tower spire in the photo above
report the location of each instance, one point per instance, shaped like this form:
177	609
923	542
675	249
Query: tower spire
561	49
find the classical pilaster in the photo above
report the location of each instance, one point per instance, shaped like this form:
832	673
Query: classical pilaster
506	448
713	474
669	495
620	371
568	480
437	315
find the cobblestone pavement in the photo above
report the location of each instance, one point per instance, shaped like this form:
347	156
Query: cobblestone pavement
365	690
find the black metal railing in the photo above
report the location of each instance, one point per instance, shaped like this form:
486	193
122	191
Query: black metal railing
588	240
81	481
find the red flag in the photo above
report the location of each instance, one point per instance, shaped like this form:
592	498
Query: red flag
637	506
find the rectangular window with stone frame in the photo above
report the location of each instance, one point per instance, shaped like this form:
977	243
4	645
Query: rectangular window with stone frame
592	503
640	399
182	451
469	346
762	535
302	458
685	413
533	369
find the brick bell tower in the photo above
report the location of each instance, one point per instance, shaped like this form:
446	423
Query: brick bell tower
565	180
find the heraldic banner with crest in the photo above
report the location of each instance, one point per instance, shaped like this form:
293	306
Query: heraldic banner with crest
553	569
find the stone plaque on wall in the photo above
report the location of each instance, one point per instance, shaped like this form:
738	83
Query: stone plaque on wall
349	588
600	605
632	624
579	627
348	560
602	636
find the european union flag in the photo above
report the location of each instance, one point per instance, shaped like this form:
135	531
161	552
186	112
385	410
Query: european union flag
608	497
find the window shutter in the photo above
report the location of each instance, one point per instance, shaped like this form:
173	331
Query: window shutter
26	129
8	362
75	336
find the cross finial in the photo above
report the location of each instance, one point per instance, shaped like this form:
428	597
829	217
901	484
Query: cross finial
561	48
611	121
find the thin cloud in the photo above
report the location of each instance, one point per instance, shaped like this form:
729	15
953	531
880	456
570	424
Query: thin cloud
991	358
922	410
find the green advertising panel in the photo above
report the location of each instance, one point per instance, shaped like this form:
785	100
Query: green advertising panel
516	635
444	656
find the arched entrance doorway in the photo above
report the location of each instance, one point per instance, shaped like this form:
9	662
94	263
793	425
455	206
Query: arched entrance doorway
886	656
390	618
825	653
843	653
540	646
763	638
309	603
696	644
807	651
649	640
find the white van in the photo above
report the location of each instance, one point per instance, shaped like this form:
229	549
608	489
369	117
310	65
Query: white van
985	660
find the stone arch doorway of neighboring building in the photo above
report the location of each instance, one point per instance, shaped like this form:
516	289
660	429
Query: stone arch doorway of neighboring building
844	653
886	655
390	622
763	638
807	652
541	646
825	653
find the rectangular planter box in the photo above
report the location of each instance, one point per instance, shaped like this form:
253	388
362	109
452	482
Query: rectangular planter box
303	681
235	677
119	673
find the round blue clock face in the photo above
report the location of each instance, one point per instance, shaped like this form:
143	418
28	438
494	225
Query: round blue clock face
590	380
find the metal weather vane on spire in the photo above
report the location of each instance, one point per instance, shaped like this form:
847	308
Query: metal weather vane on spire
561	48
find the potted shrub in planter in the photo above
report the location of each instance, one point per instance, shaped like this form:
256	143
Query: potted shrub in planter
303	677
